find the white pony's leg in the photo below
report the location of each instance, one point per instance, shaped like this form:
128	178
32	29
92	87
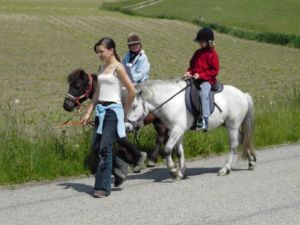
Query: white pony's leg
233	142
175	135
180	154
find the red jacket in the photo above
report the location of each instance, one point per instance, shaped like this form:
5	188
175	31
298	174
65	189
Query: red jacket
205	62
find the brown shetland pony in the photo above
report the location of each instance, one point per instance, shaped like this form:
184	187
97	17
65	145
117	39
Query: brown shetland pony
82	87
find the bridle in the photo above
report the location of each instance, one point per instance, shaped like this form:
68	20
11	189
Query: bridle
86	94
139	122
76	100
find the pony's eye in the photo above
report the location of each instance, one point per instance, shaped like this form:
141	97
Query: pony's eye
134	107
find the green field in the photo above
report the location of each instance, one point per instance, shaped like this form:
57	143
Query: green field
271	21
42	41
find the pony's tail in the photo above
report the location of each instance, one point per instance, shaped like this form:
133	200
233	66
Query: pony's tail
247	130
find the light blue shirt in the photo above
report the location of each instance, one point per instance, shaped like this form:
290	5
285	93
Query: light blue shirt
138	70
118	109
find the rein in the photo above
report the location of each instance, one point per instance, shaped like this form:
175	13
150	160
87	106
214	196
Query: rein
69	123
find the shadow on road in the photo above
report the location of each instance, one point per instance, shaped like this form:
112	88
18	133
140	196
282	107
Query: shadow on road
83	188
155	174
162	174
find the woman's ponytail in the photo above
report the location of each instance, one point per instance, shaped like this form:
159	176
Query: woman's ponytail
117	55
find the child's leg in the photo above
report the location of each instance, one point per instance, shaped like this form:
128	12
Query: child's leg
204	96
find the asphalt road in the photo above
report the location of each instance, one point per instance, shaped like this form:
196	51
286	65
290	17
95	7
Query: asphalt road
268	195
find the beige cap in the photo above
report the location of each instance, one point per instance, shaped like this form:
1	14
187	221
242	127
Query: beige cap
134	38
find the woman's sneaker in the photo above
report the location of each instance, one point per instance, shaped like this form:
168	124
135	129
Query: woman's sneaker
100	194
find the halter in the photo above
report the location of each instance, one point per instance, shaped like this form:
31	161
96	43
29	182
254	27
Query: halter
77	99
86	94
139	123
140	120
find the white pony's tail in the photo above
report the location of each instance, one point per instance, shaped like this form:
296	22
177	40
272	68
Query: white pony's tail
248	129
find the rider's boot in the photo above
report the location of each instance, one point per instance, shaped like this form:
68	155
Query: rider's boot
202	124
205	124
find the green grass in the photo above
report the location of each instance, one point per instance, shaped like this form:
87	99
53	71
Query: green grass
41	42
270	21
40	154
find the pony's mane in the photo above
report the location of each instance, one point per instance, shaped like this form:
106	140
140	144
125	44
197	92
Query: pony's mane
166	83
155	82
149	87
75	74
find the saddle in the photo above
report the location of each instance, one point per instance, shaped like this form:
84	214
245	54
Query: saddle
193	101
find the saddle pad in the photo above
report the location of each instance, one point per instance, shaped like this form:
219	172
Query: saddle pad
192	99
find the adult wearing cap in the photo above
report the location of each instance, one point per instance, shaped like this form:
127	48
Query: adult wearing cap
137	67
135	60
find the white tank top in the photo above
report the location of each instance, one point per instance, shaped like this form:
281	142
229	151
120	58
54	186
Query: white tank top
110	87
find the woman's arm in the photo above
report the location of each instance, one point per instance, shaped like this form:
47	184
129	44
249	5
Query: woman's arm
122	74
91	107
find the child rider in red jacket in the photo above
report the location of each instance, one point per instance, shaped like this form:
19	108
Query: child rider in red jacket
204	67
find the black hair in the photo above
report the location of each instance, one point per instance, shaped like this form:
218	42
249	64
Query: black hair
109	43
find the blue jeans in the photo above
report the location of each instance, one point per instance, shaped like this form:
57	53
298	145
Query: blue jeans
204	96
105	144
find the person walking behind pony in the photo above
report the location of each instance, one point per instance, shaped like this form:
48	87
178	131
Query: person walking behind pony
204	67
109	110
137	66
135	60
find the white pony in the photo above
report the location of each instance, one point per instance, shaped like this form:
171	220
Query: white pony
236	114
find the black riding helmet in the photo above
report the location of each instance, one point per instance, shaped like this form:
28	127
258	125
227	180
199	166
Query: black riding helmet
205	34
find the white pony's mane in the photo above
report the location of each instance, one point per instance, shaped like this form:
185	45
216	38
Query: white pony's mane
164	87
160	82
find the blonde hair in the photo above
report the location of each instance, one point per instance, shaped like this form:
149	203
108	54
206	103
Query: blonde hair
211	43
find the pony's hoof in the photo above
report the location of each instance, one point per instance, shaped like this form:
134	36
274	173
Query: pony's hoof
182	173
252	165
181	176
224	171
174	173
151	163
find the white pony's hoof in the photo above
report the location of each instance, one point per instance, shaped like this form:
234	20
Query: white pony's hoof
174	174
224	171
252	165
151	163
181	175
